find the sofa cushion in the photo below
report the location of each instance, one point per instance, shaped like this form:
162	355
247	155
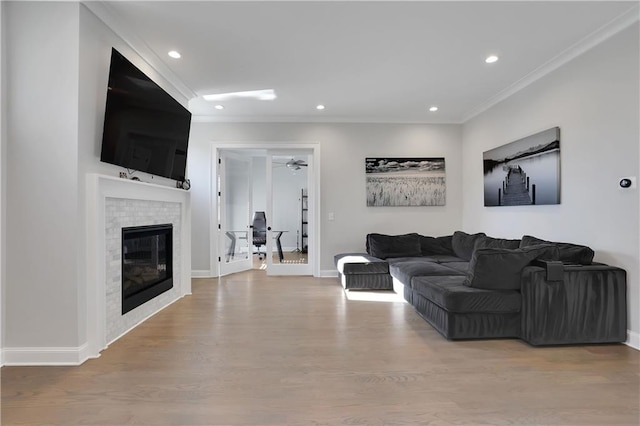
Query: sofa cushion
436	258
386	246
445	258
425	259
463	243
436	245
569	253
500	269
360	264
451	294
458	266
489	242
404	271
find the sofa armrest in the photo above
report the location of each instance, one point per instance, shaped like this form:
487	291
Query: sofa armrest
359	264
366	268
554	269
588	305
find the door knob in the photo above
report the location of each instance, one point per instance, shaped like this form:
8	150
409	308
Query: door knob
268	228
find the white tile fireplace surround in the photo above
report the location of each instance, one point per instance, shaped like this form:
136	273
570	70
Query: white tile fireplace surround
114	204
122	213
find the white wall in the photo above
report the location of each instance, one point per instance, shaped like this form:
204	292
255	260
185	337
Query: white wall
3	204
259	191
344	148
56	57
594	99
42	186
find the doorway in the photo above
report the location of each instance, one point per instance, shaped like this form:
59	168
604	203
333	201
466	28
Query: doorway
266	203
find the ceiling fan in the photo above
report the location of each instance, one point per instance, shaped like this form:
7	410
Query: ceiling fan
296	164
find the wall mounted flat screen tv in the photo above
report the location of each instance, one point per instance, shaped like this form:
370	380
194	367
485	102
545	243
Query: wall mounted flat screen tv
145	129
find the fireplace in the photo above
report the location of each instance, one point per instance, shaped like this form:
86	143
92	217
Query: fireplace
147	264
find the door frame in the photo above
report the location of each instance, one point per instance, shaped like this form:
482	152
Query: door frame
314	196
242	264
279	268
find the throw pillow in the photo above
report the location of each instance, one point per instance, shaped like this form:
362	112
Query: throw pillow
489	242
435	245
386	246
569	253
463	243
500	269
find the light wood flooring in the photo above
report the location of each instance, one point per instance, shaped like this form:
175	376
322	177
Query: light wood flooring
258	350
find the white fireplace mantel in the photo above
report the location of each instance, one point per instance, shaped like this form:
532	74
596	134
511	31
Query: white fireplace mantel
100	188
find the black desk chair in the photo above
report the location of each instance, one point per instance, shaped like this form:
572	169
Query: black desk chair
259	232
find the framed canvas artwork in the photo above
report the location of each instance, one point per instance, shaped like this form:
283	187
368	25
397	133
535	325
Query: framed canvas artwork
524	172
395	181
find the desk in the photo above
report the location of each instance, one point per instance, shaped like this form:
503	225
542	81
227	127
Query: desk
233	237
232	246
277	236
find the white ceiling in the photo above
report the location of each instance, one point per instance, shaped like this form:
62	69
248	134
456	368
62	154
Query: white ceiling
366	61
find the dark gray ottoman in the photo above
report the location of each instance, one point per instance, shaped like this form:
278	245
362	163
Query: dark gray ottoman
362	271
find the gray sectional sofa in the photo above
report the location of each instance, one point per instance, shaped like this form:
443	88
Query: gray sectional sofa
476	287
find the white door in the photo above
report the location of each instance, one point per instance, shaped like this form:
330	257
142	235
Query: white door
289	212
234	212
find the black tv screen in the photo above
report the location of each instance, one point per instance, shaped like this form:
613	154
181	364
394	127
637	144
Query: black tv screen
145	129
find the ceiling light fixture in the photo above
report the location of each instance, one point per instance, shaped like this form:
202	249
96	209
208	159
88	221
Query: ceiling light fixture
433	109
263	95
174	54
320	107
219	107
491	59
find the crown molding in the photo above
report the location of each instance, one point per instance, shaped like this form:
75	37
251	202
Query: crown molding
306	119
121	28
608	30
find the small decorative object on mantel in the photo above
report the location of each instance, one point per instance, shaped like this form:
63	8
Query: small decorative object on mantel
129	175
183	184
405	181
524	172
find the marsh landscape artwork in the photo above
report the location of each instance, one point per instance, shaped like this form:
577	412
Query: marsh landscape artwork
524	172
405	181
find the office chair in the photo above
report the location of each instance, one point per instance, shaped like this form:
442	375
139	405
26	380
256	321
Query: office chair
259	232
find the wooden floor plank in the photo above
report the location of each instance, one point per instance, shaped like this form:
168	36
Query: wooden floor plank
258	350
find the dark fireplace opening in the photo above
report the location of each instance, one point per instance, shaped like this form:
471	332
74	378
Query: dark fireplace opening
147	264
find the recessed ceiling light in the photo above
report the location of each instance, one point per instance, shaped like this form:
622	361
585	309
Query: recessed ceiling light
320	107
263	95
174	54
219	107
433	109
491	59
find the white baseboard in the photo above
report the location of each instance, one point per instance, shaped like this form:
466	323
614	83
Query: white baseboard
46	356
201	274
633	339
329	273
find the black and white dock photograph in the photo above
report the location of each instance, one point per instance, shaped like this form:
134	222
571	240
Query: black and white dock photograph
524	172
